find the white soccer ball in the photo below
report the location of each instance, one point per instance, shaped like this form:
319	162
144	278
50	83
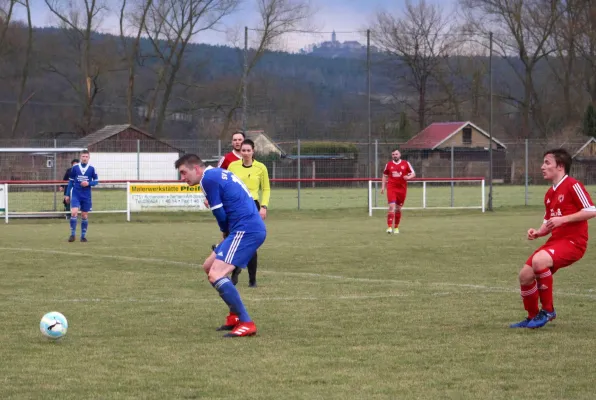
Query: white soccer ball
53	325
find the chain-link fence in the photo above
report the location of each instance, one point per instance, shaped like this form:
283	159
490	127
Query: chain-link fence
333	173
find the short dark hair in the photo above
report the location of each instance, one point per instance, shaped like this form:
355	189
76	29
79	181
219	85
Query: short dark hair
74	161
189	160
562	157
395	149
249	142
85	152
239	132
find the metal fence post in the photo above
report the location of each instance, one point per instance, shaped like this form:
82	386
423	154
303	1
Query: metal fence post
218	148
298	173
138	159
490	124
55	174
369	116
376	201
6	203
526	172
452	172
245	82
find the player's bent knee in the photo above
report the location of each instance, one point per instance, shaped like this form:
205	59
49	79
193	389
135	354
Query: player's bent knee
206	268
526	275
208	263
218	270
541	261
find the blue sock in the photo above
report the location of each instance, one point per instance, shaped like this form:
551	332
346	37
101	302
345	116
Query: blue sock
84	224
230	295
73	226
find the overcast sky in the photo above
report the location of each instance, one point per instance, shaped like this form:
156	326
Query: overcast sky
347	17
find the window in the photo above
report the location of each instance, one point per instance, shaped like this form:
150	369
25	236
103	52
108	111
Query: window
467	135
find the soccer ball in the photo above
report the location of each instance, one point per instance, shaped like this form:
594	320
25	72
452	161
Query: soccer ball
53	325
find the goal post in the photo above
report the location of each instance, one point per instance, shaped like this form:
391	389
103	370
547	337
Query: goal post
39	199
434	193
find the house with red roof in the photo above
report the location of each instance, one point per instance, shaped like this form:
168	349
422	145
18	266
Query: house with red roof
431	149
452	134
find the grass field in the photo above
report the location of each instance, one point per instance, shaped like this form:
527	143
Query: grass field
344	311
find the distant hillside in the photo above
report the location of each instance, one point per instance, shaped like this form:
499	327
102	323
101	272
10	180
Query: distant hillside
318	94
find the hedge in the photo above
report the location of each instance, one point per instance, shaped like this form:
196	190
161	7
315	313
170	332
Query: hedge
324	148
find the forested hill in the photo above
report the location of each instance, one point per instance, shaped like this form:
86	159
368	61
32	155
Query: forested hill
290	95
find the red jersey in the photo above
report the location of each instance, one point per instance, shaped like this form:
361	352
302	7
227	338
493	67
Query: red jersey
565	198
396	172
226	160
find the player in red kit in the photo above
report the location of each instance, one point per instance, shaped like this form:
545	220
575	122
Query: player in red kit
396	175
224	162
568	209
234	155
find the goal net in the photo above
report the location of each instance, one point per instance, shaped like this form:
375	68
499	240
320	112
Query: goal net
433	193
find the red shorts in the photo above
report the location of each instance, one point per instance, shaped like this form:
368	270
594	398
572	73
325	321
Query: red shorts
563	252
397	196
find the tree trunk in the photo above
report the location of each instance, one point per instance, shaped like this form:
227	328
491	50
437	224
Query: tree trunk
25	73
422	103
526	104
163	108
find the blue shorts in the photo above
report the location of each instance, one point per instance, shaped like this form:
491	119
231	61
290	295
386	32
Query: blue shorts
83	204
239	247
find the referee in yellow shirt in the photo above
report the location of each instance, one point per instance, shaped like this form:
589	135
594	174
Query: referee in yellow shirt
256	178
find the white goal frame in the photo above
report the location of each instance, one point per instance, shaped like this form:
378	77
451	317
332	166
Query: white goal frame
372	186
126	204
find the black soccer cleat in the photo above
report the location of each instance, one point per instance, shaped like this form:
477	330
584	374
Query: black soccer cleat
235	274
84	240
71	239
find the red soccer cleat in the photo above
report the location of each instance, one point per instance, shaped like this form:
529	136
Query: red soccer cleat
243	329
231	321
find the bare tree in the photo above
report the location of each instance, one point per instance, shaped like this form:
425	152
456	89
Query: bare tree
277	18
586	45
563	64
80	25
6	13
522	32
131	50
21	102
170	25
416	42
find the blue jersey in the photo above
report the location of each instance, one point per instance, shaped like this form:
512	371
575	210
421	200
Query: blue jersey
82	173
225	191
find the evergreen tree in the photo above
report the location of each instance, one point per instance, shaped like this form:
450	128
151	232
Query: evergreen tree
590	121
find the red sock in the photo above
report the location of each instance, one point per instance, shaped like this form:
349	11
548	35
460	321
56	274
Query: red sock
529	294
397	218
390	219
545	289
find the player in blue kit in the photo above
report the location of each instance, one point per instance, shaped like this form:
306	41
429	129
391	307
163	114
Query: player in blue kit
243	231
82	178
